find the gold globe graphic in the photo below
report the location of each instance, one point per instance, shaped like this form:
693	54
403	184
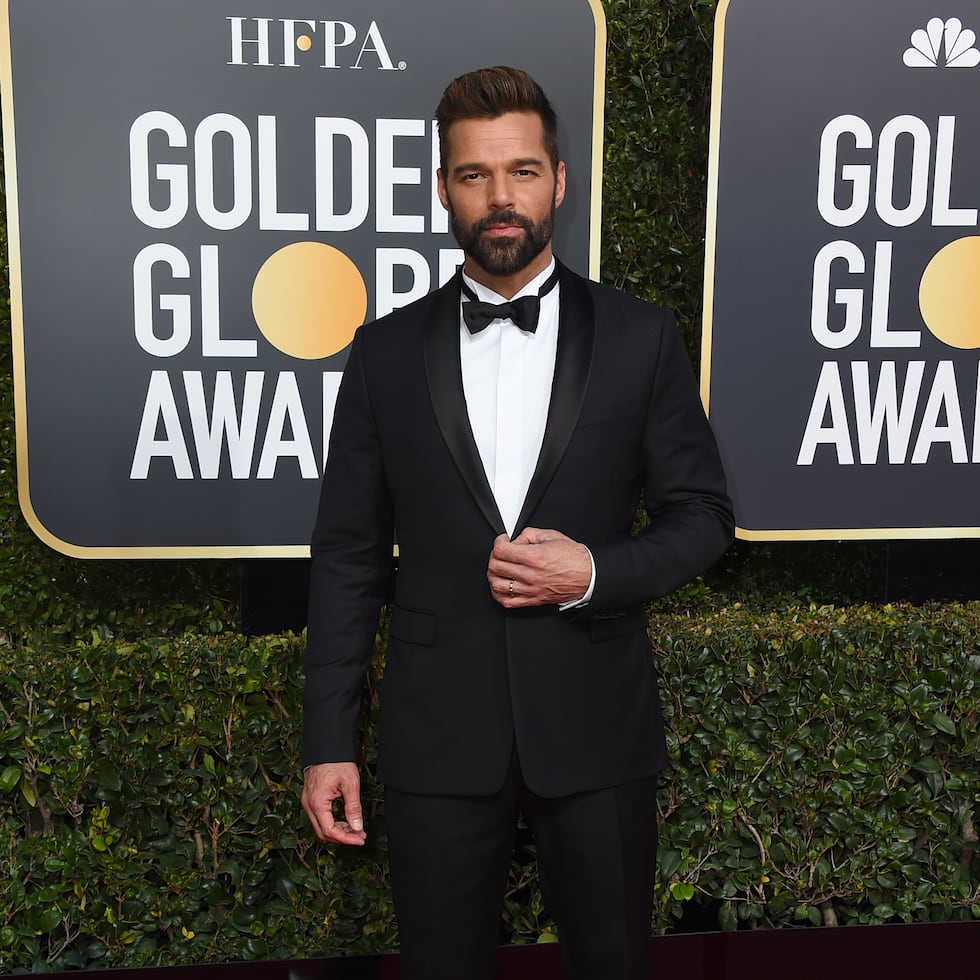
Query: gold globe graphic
308	300
949	294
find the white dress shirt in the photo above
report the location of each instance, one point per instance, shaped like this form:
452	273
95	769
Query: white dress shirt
507	377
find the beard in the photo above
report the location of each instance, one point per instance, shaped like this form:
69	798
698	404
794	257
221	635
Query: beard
507	256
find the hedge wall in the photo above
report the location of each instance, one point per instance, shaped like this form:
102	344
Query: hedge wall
825	759
826	768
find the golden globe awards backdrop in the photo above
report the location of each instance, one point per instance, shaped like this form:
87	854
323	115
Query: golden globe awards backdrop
205	200
842	301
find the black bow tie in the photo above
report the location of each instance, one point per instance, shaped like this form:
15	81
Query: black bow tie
523	311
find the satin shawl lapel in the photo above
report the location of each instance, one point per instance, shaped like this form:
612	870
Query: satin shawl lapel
445	380
573	365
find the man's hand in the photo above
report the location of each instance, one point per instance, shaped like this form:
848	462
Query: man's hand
322	785
538	568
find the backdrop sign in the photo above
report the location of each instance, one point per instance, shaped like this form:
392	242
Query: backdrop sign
843	271
205	201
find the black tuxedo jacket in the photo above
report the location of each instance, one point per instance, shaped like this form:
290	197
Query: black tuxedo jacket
464	678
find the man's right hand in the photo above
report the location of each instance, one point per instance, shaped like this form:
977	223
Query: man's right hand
324	783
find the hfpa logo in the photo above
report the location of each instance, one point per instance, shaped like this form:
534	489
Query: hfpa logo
287	43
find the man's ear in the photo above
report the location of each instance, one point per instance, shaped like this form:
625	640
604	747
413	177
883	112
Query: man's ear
441	189
559	182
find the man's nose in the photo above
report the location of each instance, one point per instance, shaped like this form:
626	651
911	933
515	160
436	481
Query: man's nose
501	196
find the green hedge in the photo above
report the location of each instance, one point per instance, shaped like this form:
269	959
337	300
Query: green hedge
826	768
826	763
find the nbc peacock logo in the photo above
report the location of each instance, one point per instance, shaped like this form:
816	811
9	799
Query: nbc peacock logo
942	44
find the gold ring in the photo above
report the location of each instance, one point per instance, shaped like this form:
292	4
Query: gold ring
510	588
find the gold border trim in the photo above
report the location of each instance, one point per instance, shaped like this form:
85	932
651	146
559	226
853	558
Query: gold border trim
711	209
14	274
859	534
598	136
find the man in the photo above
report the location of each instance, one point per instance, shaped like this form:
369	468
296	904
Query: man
509	459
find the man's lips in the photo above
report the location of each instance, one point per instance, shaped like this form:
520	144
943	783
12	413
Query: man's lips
496	231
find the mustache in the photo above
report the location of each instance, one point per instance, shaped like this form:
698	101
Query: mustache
503	218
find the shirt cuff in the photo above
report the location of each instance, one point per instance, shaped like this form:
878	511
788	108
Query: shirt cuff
584	601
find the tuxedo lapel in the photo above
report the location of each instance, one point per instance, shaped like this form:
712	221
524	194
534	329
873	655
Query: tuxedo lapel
445	379
573	365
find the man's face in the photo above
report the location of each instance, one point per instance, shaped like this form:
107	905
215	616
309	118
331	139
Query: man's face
501	193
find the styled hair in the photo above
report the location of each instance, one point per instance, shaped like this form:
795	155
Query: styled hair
489	93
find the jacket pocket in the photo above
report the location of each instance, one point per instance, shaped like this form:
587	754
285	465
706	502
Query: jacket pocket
412	626
619	622
615	416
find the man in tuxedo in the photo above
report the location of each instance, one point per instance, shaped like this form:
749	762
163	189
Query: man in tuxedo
505	427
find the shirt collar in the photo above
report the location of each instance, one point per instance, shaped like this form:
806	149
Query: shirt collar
487	295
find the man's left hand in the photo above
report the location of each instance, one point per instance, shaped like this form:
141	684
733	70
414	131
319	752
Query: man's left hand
538	568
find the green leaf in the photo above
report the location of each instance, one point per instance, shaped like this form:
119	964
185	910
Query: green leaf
682	891
9	778
49	920
108	776
669	861
27	791
727	918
